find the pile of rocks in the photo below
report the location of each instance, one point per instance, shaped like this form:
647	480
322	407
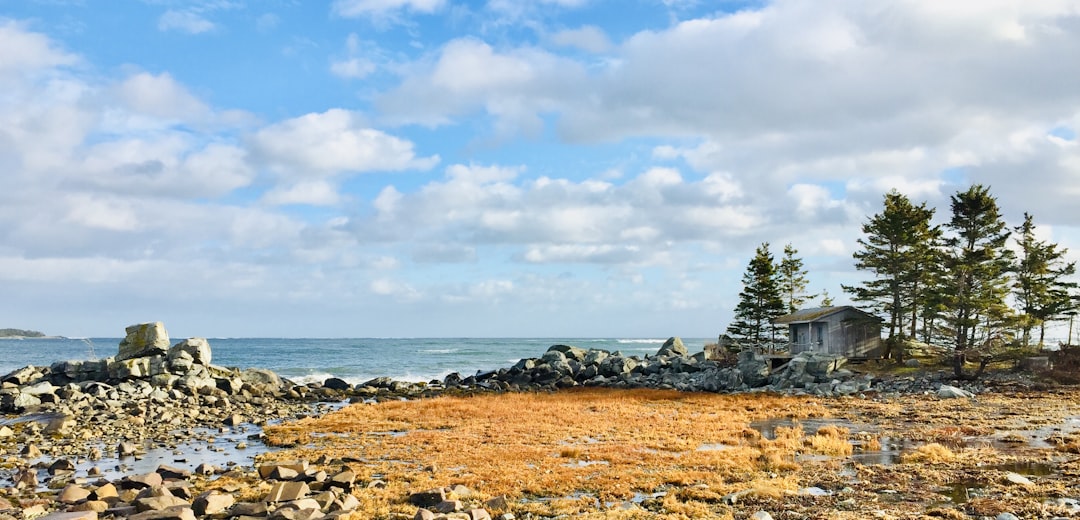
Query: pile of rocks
145	366
291	491
673	367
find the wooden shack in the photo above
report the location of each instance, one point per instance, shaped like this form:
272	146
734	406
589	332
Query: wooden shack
843	331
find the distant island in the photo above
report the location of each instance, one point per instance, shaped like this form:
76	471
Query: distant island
19	333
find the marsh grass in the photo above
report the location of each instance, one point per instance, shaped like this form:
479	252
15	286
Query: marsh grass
932	453
562	453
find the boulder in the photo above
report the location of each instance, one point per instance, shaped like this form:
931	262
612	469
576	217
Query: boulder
336	383
212	503
571	352
129	368
144	339
197	350
618	366
22	376
952	392
261	377
429	498
753	369
673	347
287	491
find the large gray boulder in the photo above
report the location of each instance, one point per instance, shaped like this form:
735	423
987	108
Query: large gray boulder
673	347
753	369
571	352
144	339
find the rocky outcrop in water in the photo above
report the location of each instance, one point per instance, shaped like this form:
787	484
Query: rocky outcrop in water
146	368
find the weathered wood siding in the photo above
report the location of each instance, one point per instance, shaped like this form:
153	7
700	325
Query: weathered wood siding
847	333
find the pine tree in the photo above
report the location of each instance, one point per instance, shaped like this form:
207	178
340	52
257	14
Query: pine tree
760	300
826	300
793	280
1042	293
977	266
897	249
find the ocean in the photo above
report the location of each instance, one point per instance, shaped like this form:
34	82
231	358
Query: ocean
354	360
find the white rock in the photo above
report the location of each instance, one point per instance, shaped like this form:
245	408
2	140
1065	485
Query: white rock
952	392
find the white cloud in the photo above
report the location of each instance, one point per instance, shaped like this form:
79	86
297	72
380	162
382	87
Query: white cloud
353	68
27	51
311	192
588	38
101	213
376	8
333	142
184	21
467	74
160	96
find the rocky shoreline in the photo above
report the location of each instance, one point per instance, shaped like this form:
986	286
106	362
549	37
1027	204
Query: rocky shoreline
72	414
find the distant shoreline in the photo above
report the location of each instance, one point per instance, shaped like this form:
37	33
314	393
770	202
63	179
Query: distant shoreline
22	334
34	337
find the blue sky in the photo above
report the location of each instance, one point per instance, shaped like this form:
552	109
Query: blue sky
533	168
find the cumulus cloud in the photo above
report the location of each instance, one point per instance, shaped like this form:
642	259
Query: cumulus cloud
793	93
515	87
160	96
550	220
332	142
28	51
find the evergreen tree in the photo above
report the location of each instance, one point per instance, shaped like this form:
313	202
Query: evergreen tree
1042	293
760	300
793	280
826	300
977	266
897	250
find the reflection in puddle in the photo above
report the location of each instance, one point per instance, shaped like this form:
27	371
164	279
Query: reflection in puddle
961	492
892	448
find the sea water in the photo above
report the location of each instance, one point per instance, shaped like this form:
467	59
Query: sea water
355	360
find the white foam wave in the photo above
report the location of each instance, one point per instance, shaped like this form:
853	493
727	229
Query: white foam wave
650	341
439	350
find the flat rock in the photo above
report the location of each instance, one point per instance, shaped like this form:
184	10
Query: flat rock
248	509
1018	479
176	513
429	498
73	493
479	514
287	491
67	515
104	491
266	469
212	503
141	481
159	503
97	506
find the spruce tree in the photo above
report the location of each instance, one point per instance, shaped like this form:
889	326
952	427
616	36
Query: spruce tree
897	250
760	301
793	280
1040	287
977	264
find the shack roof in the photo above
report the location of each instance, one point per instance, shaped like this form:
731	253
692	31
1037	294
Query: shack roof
819	313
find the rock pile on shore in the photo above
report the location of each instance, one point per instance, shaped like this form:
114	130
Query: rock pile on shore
673	367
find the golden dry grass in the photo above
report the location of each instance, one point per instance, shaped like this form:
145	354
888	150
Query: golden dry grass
587	453
573	449
932	453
